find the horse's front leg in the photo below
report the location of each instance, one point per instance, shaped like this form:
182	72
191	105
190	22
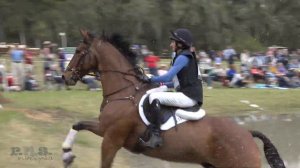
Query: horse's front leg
113	140
68	156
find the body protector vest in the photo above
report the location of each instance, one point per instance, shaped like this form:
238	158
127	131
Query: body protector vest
189	83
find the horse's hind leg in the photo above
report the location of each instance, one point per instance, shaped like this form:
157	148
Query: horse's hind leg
92	126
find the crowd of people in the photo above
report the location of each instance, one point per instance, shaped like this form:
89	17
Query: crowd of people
22	74
276	67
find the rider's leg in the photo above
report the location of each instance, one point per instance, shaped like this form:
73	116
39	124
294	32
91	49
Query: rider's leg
176	99
154	140
169	99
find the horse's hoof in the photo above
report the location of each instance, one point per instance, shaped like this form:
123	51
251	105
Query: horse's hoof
68	159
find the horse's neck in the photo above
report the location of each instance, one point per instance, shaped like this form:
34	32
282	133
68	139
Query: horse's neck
114	65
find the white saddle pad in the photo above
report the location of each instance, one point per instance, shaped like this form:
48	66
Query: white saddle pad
180	114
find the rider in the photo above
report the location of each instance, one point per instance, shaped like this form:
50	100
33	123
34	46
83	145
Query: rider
184	75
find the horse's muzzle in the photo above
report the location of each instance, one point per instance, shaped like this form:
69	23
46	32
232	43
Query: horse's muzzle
69	81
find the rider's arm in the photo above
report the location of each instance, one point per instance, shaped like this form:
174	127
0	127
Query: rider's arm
179	63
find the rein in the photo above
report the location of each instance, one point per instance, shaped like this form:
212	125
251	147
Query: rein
77	76
130	97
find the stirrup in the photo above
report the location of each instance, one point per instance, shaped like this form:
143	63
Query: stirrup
154	141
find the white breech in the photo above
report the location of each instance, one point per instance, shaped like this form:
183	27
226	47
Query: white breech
176	99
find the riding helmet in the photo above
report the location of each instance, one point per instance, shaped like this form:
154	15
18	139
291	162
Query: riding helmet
182	35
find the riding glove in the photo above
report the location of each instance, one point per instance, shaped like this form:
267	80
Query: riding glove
145	79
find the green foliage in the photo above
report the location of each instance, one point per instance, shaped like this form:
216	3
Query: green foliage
244	24
242	42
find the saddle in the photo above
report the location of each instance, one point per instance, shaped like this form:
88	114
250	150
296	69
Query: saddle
172	116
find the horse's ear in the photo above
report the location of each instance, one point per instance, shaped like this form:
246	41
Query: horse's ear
87	36
84	33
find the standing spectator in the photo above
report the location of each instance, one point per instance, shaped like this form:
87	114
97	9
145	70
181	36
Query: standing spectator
245	56
17	57
61	59
28	61
229	54
151	62
212	54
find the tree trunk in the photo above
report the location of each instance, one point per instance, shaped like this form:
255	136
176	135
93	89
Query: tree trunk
22	37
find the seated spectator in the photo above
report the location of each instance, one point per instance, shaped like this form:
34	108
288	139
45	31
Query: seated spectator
245	70
91	82
239	80
218	57
294	64
281	74
11	83
257	73
229	74
218	73
30	83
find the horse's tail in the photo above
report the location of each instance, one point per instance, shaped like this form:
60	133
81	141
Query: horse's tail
270	150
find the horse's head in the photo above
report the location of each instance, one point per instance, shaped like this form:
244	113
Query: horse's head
82	62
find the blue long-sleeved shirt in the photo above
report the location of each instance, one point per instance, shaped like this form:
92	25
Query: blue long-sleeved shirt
17	55
179	63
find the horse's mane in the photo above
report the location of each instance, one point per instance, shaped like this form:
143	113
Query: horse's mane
118	41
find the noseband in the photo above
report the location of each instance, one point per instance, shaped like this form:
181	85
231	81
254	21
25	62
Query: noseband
76	70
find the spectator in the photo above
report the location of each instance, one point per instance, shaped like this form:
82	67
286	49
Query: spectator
30	83
28	61
229	54
257	73
218	57
11	83
91	82
218	73
229	74
151	62
239	80
245	56
281	74
163	69
61	59
48	60
17	57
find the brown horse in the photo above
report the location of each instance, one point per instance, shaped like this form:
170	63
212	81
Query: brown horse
211	142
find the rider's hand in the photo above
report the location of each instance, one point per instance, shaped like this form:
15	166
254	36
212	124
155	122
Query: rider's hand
145	79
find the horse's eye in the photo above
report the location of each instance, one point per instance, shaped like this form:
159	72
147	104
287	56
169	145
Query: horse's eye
77	51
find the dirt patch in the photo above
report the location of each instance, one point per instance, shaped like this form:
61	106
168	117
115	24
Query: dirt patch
40	116
4	100
33	114
46	115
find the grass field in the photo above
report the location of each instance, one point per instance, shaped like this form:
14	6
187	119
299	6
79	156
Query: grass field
42	119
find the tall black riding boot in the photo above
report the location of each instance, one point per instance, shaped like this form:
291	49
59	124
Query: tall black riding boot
155	139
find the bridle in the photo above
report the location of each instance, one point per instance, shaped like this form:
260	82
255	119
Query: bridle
138	71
